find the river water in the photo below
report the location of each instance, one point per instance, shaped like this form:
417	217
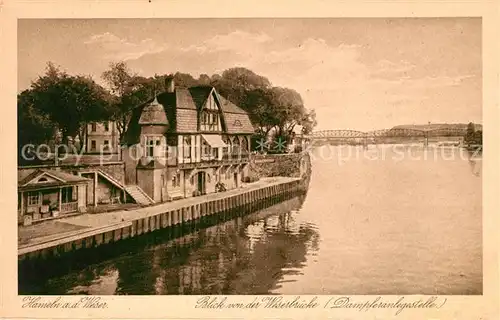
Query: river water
383	220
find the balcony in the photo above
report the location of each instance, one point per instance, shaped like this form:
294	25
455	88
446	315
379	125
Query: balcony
207	162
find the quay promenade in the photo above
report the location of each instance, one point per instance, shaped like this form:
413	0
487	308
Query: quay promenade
91	230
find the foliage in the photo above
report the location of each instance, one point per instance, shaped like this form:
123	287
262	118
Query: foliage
469	135
473	136
128	91
33	126
271	108
67	101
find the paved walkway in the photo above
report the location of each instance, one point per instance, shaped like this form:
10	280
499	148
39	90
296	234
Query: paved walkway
71	226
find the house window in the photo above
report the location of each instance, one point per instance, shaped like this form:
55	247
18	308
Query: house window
187	147
106	144
206	151
150	149
93	145
210	120
33	198
152	146
93	127
215	153
106	126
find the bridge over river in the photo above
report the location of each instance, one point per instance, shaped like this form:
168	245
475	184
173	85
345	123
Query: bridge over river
388	136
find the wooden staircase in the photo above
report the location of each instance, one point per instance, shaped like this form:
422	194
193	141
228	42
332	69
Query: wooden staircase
138	195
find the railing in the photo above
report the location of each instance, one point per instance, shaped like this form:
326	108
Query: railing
208	158
69	207
226	160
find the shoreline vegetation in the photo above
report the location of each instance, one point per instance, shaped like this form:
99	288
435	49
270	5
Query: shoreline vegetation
58	106
473	139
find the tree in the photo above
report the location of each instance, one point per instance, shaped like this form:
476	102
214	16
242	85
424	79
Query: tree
237	83
204	79
33	127
469	135
272	109
128	91
185	80
259	102
478	137
69	101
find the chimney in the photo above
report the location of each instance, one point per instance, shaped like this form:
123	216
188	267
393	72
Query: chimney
170	84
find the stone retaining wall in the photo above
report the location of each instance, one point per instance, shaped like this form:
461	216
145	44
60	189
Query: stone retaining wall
189	215
297	165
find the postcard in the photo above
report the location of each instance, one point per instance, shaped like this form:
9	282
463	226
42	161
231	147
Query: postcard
218	160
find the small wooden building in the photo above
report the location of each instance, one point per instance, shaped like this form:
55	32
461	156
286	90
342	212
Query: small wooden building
45	194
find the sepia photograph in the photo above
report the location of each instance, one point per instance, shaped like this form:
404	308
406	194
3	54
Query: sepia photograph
250	156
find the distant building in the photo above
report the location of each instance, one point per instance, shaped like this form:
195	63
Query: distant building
102	137
186	142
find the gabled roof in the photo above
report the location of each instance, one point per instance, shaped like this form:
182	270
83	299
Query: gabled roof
55	178
238	123
200	95
228	106
180	110
184	99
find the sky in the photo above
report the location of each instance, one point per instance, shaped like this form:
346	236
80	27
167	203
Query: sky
356	73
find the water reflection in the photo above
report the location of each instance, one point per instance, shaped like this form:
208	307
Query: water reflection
391	222
246	255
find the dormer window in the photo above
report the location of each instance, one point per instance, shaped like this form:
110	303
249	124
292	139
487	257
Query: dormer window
210	115
210	120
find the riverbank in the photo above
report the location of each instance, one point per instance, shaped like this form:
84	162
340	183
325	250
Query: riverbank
90	230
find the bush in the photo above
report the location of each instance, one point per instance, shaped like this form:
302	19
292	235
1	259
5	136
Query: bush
297	149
